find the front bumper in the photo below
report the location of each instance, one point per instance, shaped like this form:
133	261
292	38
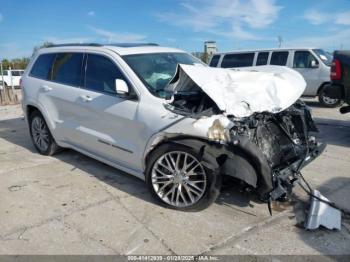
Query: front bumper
285	179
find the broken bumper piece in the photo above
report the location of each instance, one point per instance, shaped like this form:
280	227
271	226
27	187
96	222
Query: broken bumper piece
322	214
286	178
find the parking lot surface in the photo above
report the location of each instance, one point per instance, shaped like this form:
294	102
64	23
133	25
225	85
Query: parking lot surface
72	204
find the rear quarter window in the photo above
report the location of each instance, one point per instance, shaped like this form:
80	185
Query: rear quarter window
214	61
237	60
42	66
279	58
16	73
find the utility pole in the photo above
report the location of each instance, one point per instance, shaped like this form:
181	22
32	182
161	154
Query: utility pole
280	41
2	77
13	88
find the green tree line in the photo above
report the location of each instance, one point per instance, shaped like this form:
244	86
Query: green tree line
21	63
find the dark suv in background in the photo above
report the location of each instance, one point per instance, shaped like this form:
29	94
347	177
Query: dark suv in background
340	77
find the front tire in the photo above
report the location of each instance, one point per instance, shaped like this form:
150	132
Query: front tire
177	179
327	101
41	136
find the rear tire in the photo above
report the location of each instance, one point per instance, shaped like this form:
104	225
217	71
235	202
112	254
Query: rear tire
327	101
175	183
41	136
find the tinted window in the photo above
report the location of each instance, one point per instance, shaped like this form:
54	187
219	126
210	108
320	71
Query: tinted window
67	69
279	58
155	70
303	59
42	66
262	58
4	72
237	60
17	73
101	74
214	61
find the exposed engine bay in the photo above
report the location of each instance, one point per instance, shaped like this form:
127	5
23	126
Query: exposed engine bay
264	149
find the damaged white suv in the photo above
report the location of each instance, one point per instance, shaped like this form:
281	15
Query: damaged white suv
160	114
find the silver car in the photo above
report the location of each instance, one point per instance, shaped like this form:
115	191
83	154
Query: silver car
163	116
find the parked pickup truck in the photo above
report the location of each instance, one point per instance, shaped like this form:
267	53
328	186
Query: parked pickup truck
340	79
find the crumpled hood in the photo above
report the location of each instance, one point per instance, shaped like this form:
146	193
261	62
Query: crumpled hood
243	92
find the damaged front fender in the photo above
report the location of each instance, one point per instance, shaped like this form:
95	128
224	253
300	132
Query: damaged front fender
243	160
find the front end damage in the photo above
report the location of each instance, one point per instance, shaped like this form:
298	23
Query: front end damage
263	145
278	145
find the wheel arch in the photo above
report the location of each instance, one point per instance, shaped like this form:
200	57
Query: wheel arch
243	161
30	108
322	86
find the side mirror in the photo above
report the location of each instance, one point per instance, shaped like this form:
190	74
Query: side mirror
121	88
314	64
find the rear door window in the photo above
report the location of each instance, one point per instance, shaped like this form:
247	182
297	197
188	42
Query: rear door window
42	66
262	58
279	58
237	60
101	74
214	61
67	69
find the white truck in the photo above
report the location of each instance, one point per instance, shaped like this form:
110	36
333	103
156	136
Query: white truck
11	77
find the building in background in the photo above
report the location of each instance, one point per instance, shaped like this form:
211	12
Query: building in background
210	48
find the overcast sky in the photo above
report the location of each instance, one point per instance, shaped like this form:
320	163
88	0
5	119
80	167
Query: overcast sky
234	24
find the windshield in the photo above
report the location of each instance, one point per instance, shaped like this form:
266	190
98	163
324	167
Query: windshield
157	69
325	57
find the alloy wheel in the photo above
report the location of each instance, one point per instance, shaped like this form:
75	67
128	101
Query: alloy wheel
40	133
179	179
329	101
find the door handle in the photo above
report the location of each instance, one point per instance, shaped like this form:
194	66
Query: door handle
46	88
86	98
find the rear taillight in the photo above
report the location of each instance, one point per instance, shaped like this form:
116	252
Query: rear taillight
336	70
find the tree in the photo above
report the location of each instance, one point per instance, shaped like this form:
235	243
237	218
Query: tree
44	45
20	63
5	64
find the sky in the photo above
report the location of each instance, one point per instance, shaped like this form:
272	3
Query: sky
185	24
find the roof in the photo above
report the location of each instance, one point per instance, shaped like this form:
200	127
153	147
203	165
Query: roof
120	48
266	49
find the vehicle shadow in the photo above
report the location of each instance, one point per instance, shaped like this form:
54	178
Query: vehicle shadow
313	104
334	132
15	131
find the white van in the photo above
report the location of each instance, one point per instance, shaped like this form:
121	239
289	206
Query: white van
12	77
312	63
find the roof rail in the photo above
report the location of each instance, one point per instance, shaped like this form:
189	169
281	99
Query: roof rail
132	44
74	44
112	44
